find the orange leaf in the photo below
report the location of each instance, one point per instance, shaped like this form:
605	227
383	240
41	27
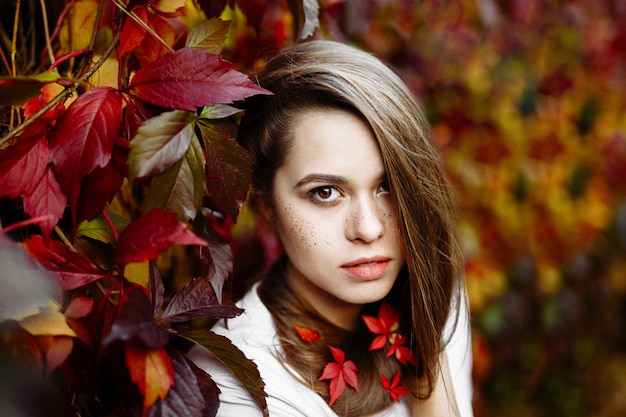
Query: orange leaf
151	371
307	335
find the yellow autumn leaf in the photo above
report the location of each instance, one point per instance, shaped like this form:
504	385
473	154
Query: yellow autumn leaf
49	321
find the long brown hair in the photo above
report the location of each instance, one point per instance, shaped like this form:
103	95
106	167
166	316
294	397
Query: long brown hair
330	75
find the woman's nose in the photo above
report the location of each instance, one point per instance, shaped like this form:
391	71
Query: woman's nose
365	222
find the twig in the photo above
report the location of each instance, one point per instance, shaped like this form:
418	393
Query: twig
16	21
63	94
46	30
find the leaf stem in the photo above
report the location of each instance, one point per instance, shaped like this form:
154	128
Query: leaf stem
110	223
46	30
63	94
26	222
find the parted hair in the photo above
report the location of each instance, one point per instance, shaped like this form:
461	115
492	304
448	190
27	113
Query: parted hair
329	75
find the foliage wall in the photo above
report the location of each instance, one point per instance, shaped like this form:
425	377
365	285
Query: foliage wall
526	99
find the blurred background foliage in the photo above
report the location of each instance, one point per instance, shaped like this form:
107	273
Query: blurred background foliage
527	101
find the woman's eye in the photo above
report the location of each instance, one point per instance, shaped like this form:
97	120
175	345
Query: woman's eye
384	187
325	194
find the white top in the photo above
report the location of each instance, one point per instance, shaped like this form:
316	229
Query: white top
255	335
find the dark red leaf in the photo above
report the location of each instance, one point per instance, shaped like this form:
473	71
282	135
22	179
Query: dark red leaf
197	299
150	234
132	33
156	288
46	199
135	322
99	188
71	268
217	257
194	394
230	356
228	168
191	78
84	138
23	165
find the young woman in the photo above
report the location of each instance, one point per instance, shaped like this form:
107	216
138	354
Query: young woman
365	312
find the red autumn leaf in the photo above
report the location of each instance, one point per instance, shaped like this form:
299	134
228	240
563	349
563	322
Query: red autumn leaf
190	78
46	199
384	325
84	138
306	334
155	288
402	353
134	321
339	373
150	234
72	269
23	165
152	372
145	46
218	261
228	169
197	299
79	307
393	386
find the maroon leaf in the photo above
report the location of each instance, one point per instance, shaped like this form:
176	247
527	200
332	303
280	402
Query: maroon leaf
191	78
135	322
228	168
219	258
99	188
150	234
46	199
84	138
156	288
160	143
71	268
228	354
197	299
23	165
194	394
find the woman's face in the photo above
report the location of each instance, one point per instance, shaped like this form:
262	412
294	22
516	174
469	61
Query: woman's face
335	217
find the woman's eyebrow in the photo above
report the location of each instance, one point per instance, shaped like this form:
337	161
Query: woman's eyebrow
325	178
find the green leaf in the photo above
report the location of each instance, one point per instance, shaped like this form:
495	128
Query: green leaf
228	354
14	91
209	35
219	111
180	189
99	229
160	143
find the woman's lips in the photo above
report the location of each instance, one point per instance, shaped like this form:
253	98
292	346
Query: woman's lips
366	269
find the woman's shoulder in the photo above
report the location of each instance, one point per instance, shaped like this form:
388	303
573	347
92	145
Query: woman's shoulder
254	334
